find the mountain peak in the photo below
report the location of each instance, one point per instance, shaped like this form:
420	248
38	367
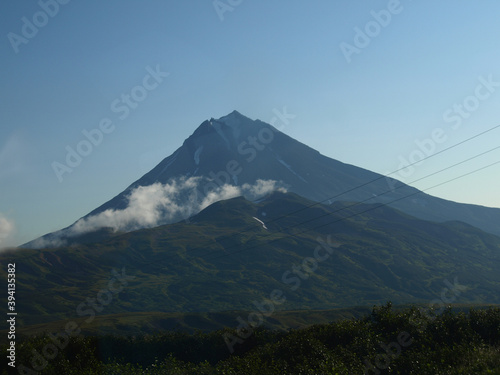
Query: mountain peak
234	120
235	150
235	115
231	129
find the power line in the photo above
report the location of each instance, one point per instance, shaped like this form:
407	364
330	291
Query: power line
400	186
359	186
355	204
391	173
191	251
358	213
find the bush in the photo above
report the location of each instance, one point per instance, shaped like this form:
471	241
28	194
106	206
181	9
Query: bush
449	343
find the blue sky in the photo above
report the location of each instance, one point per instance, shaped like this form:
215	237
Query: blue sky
430	70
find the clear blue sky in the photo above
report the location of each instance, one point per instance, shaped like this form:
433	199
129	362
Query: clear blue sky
259	57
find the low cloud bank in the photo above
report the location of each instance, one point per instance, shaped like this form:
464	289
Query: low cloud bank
158	204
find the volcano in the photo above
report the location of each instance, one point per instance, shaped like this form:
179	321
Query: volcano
225	157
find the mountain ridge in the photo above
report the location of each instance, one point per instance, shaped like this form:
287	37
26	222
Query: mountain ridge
235	150
223	259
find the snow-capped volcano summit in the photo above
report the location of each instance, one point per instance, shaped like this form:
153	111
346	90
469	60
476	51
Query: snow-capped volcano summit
235	155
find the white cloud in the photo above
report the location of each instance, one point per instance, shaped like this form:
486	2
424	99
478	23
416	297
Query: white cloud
7	229
13	156
261	187
158	204
222	193
147	207
52	241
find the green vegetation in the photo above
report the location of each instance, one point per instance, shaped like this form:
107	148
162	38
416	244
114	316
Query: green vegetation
224	260
408	341
132	324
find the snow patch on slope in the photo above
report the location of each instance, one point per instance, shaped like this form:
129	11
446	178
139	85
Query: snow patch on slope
197	155
291	170
260	221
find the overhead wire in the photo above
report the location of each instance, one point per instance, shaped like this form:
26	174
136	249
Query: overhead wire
252	228
357	213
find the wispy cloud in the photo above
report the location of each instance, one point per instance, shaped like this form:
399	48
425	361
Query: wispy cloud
7	229
13	153
158	204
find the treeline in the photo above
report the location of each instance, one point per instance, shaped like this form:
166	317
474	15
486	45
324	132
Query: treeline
411	341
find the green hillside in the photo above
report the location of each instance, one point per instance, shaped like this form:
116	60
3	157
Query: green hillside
223	259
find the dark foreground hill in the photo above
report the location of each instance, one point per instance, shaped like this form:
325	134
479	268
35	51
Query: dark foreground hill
235	255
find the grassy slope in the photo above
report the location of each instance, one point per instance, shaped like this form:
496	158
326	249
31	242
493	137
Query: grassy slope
224	260
151	322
